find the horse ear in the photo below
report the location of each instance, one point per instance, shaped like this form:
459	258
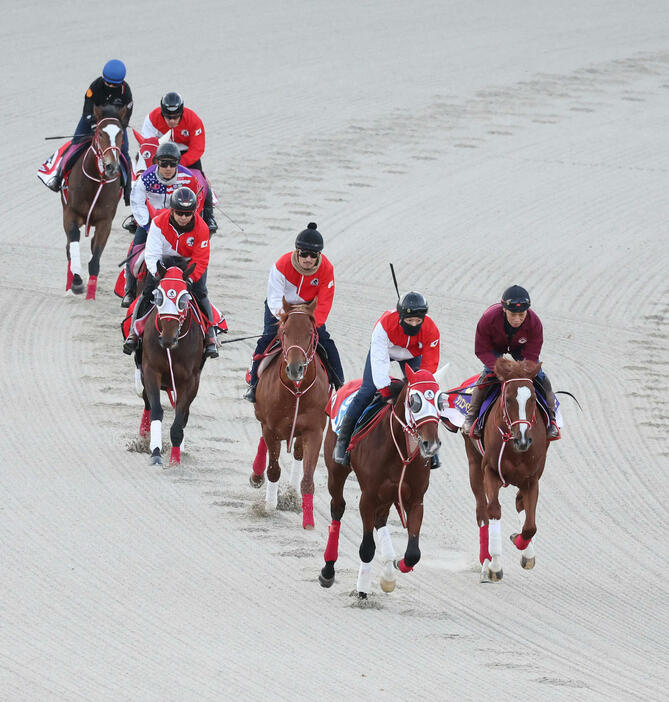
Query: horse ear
96	113
312	305
188	271
161	270
138	136
409	373
502	368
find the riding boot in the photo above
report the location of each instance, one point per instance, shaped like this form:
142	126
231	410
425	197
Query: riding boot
435	462
208	213
340	454
56	180
130	287
210	351
552	430
475	401
131	343
250	394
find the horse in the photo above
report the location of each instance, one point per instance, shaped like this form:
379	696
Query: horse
291	397
91	197
392	464
172	359
513	452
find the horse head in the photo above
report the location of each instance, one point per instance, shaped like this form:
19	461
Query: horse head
171	297
108	140
299	338
518	399
147	151
422	408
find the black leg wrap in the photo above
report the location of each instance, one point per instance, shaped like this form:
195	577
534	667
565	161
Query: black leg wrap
367	548
412	554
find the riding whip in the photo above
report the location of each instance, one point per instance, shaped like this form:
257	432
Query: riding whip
220	209
241	338
59	137
392	270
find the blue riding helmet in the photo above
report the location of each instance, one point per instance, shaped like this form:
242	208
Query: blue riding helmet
114	72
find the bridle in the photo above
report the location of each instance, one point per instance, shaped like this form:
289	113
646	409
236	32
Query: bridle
506	417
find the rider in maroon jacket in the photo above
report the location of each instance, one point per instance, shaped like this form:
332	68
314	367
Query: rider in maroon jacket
510	327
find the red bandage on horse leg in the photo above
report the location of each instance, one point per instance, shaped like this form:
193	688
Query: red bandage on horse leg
145	424
404	568
520	543
484	554
307	511
70	276
260	461
332	549
92	287
175	456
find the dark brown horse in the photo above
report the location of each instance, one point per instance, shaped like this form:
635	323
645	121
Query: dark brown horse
290	405
392	464
172	354
515	453
91	197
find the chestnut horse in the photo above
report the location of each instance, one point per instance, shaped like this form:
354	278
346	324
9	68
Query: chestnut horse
290	401
514	453
93	191
172	357
392	464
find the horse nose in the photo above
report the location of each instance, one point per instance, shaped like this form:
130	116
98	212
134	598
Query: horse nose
295	371
429	448
522	444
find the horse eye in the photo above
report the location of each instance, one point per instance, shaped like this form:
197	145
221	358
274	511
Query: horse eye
415	403
182	302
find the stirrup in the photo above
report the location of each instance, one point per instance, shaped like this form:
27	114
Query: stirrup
55	183
250	394
553	432
127	300
130	345
211	351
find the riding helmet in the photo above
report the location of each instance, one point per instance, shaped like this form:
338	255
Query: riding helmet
168	151
516	299
309	239
183	200
172	105
413	304
114	72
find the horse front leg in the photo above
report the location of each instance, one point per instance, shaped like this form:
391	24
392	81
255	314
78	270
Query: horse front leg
311	445
337	475
414	522
492	484
476	484
98	244
526	506
296	469
273	470
73	250
152	389
177	428
388	555
367	545
145	424
257	477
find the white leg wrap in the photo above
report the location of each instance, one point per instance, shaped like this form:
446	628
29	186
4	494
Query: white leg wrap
271	494
75	258
495	537
296	474
139	386
364	577
521	519
156	435
385	544
183	443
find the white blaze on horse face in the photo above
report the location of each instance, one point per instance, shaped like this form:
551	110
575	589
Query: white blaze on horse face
111	130
522	396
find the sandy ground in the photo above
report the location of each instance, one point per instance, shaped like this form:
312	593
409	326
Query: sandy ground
475	145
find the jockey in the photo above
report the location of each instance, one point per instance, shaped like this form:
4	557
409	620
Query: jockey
300	276
187	131
179	231
108	89
155	186
509	326
407	335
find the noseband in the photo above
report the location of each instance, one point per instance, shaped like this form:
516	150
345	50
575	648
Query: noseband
311	349
505	411
100	152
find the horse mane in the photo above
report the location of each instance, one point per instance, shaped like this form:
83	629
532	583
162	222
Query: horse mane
506	368
307	308
108	112
178	261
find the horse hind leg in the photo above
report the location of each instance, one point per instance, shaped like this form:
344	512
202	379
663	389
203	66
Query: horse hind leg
388	558
259	464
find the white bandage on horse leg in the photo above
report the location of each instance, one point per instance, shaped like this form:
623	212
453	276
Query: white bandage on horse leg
75	258
296	474
521	519
495	537
271	494
385	543
156	435
364	577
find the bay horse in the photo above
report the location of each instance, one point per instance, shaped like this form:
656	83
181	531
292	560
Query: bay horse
291	396
91	197
172	359
513	452
392	464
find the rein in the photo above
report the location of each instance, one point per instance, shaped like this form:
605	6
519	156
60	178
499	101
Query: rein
309	354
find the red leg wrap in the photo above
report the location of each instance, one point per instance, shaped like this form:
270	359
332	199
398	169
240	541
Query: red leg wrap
92	287
175	456
145	424
260	461
307	511
484	554
404	568
70	276
520	543
332	549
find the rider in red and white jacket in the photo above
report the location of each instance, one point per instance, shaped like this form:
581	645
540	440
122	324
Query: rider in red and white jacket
300	276
406	335
179	231
187	132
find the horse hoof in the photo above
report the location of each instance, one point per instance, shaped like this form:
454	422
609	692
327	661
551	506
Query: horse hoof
485	571
256	481
496	576
77	285
362	596
387	585
527	563
325	582
308	526
156	461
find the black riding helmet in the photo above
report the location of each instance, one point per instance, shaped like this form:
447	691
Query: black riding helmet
172	105
310	239
413	304
516	299
168	152
183	200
